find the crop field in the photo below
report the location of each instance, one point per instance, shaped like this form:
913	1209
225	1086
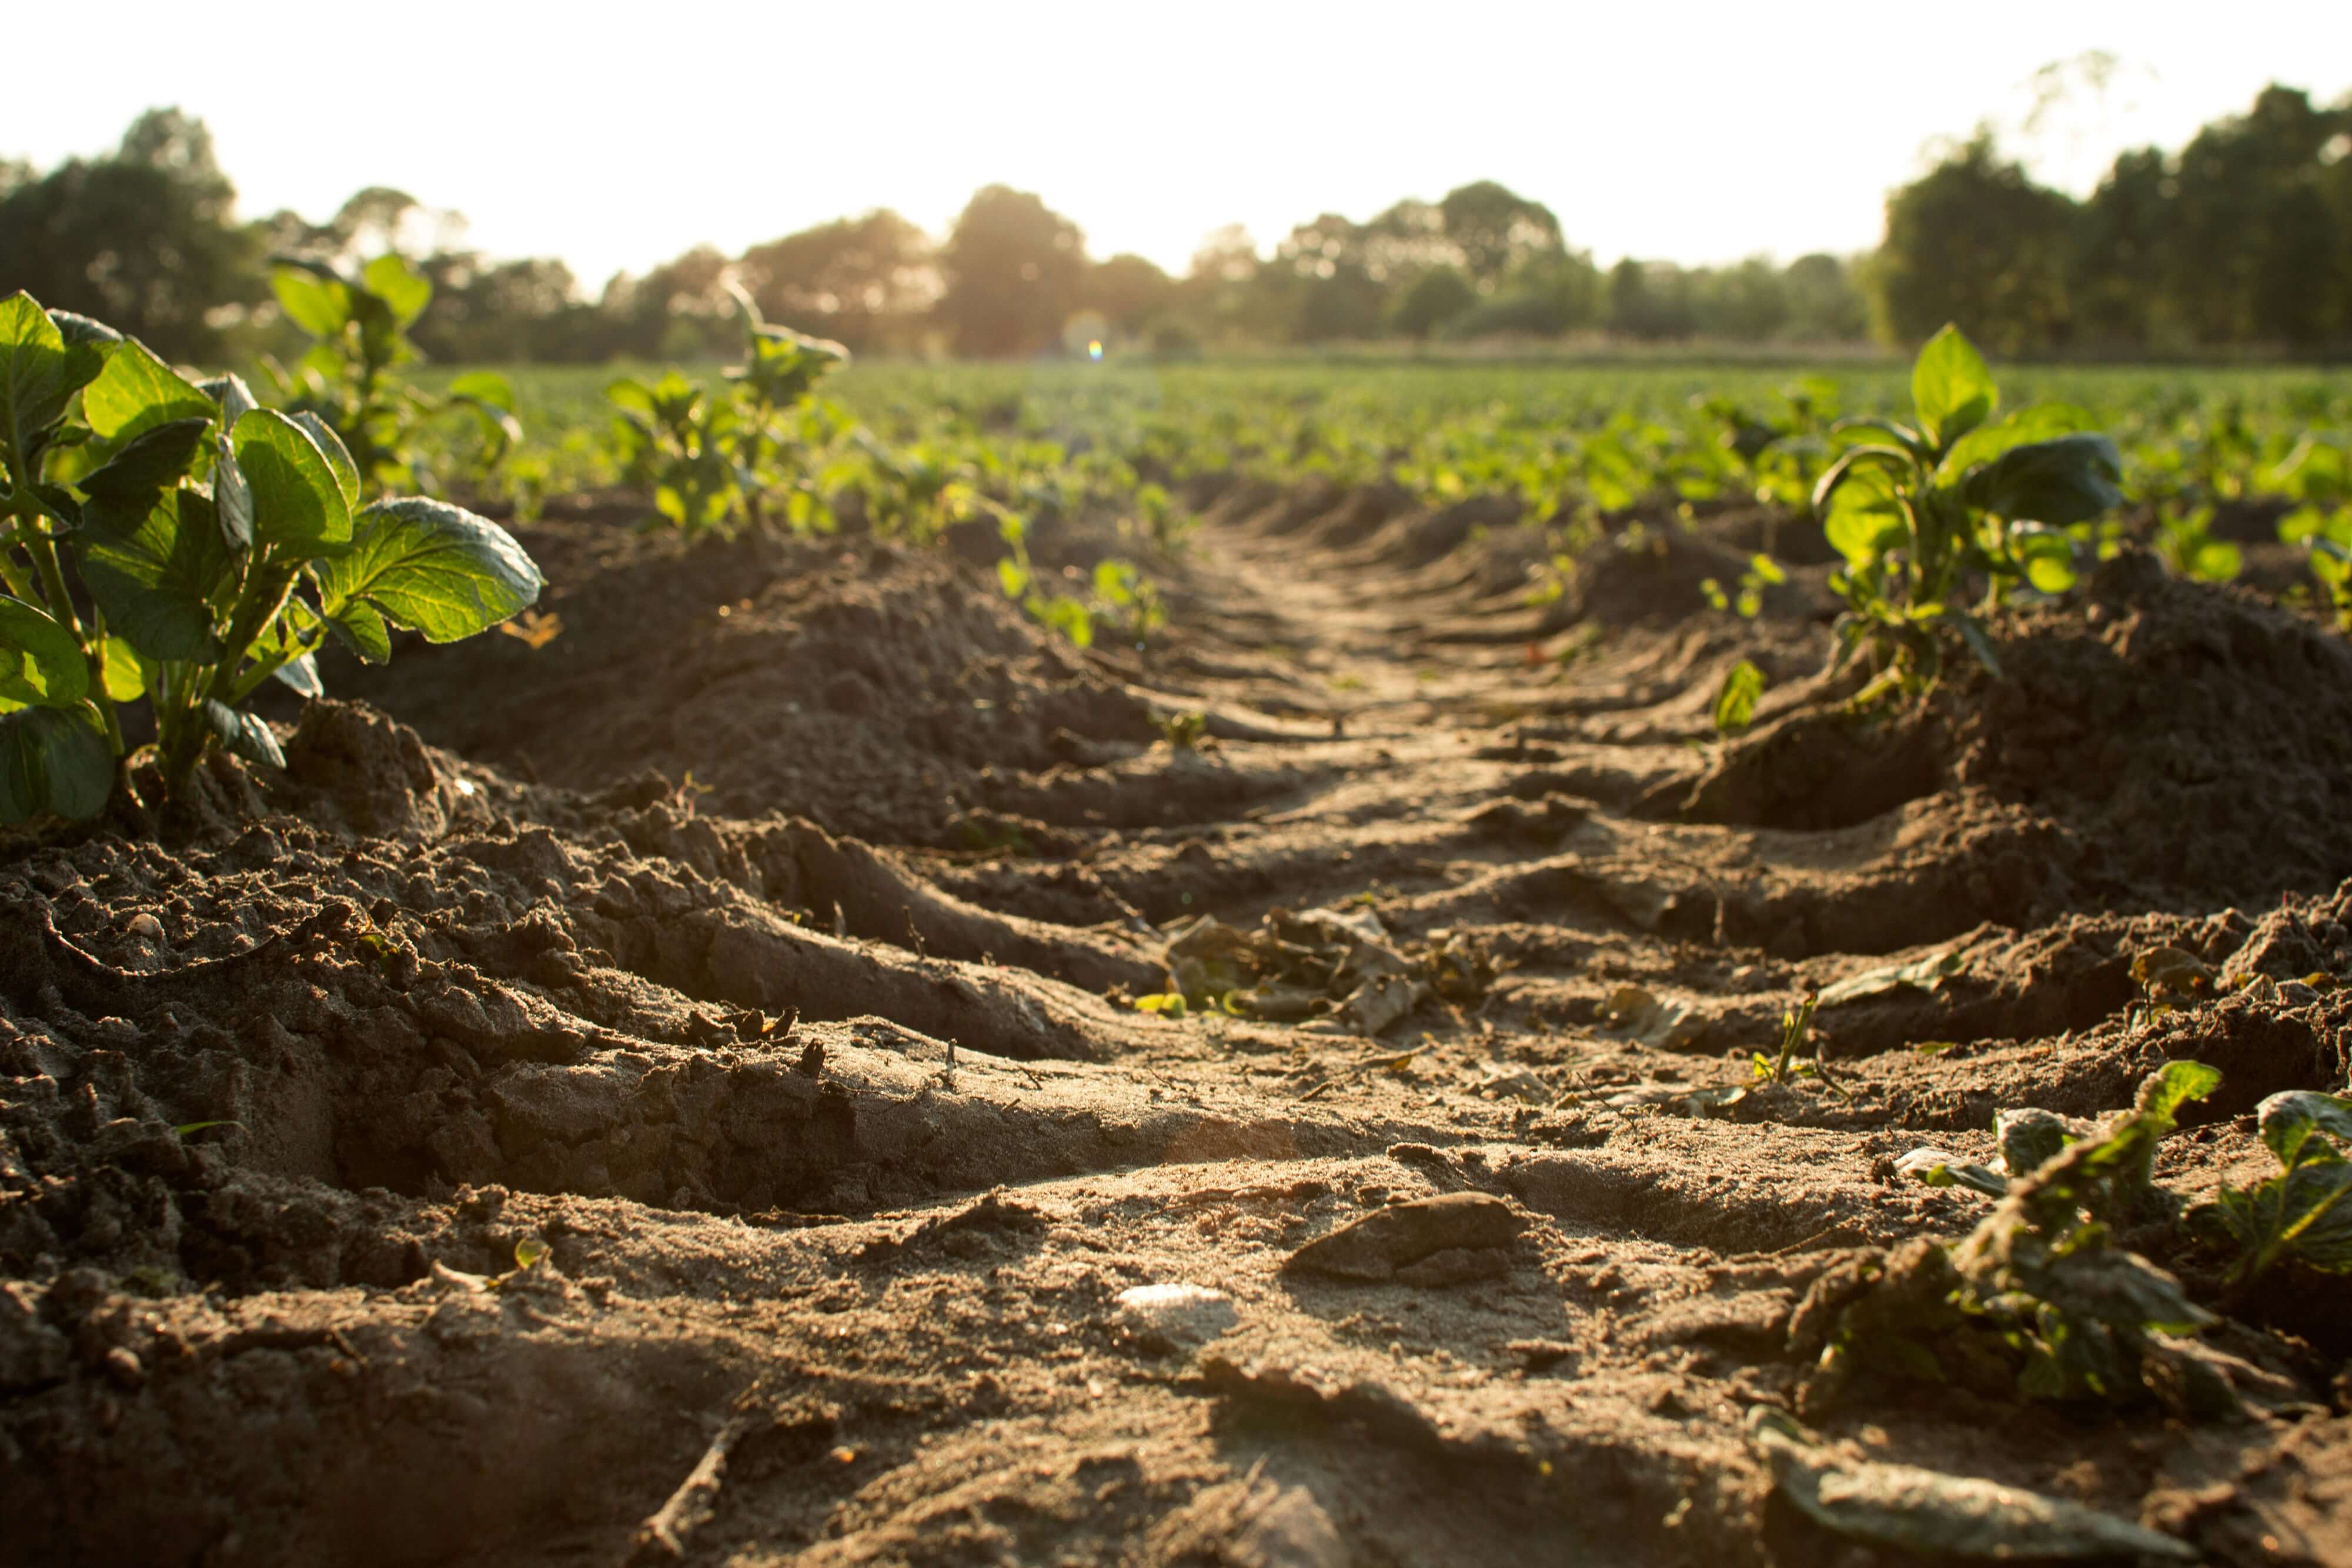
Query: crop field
1224	962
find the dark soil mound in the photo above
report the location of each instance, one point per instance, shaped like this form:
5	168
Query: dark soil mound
857	684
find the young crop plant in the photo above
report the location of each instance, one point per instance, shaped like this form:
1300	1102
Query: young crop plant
173	542
2303	1213
715	460
2041	1299
1921	511
350	378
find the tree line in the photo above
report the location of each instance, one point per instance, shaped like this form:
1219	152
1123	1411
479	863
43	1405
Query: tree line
2240	241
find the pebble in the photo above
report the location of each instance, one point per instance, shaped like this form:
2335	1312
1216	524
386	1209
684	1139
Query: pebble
1176	1316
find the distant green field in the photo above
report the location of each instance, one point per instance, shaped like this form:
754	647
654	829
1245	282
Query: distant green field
1611	431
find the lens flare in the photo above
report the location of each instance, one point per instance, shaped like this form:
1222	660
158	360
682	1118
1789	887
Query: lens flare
1094	348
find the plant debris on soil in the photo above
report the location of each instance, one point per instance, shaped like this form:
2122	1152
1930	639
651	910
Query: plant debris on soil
674	1090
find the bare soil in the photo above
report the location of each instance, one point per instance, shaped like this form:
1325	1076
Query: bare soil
674	1093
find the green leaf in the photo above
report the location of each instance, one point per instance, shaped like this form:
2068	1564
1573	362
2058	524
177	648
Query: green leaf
404	290
358	627
242	735
312	298
155	459
155	573
485	387
40	664
338	455
234	398
89	345
2290	1120
2043	422
34	382
2048	554
1735	699
1864	519
1952	387
1979	641
136	392
297	497
2169	1088
2067	480
632	394
53	759
302	674
126	672
232	497
428	565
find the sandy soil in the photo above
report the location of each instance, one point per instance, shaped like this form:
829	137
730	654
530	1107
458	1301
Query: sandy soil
674	1094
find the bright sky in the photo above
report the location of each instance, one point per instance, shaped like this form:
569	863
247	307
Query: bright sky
616	136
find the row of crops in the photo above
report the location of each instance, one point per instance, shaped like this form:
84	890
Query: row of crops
214	539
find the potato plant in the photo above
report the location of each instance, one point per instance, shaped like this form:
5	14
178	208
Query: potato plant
1920	509
350	378
215	544
715	459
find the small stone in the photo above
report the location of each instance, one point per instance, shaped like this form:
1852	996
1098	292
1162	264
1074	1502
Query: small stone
123	1364
1171	1317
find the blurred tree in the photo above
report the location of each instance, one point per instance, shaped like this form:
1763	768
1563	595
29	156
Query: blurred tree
859	281
1826	304
1651	300
1495	230
1976	242
144	238
1014	269
2121	249
1129	291
1747	302
2254	253
1441	295
1321	280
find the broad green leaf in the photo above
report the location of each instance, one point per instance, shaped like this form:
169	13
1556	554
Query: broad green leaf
2291	1119
155	574
235	398
1864	519
2043	422
88	344
242	735
338	455
404	291
358	627
2067	480
155	459
34	383
321	306
53	759
40	664
136	392
302	674
126	672
2315	1214
298	498
431	566
630	393
2048	554
485	387
1952	387
232	497
1735	699
2171	1086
